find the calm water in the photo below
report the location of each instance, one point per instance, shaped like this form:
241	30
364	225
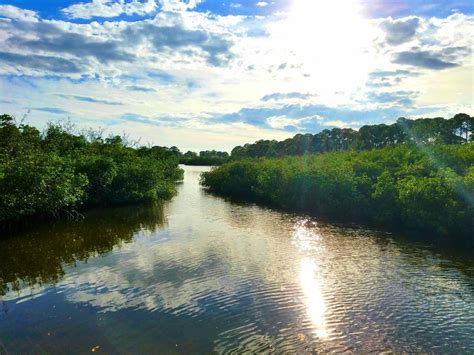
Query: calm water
200	274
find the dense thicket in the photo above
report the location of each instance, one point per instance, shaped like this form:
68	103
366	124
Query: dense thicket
58	172
206	157
458	129
428	188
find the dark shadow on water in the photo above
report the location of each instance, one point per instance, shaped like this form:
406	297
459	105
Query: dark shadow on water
38	257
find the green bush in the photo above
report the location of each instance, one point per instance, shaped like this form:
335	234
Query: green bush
39	183
427	189
57	171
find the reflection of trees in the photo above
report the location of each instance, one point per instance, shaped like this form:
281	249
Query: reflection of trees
419	253
38	257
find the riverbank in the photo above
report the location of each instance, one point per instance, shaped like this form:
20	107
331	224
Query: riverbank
426	190
47	175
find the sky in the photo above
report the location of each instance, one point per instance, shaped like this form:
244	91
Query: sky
208	74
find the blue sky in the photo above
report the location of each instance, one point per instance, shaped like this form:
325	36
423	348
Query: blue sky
375	8
204	74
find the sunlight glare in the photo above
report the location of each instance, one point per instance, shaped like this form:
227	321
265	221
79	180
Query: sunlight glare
331	38
306	239
313	298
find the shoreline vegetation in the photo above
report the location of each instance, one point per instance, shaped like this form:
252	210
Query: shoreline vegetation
415	176
58	172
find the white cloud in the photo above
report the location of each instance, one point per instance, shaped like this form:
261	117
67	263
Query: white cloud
262	3
179	5
109	8
16	13
172	40
401	30
280	122
200	65
341	124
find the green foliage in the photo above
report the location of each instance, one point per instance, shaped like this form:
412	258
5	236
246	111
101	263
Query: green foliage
458	129
206	157
39	183
57	171
427	189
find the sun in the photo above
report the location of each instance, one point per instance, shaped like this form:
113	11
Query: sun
331	38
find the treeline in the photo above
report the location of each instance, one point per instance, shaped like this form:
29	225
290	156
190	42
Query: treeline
458	129
426	189
207	157
58	172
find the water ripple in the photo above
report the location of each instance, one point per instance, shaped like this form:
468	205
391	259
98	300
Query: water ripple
206	275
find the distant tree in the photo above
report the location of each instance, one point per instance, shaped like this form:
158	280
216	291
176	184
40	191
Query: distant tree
205	157
437	130
463	126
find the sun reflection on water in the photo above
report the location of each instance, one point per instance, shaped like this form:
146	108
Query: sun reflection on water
307	238
313	298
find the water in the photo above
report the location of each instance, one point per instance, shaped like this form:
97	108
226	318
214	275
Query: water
201	274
